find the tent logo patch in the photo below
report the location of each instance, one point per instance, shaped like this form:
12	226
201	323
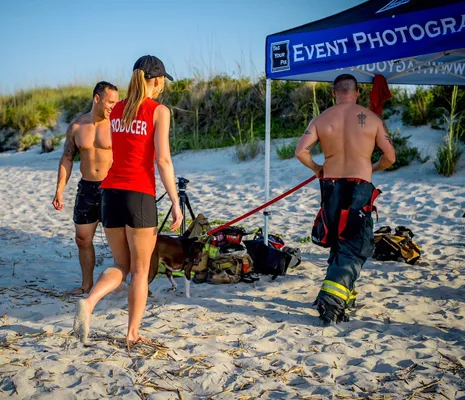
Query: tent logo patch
393	4
280	56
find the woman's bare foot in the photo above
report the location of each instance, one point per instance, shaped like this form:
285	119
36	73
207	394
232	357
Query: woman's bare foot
82	321
130	343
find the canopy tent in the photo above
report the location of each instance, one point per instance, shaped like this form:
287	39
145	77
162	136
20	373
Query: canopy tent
406	41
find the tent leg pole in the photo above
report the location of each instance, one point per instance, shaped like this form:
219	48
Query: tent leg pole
267	154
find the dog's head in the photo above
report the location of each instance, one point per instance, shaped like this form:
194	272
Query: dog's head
195	252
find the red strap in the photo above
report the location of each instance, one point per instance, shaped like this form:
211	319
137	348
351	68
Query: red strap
213	231
374	195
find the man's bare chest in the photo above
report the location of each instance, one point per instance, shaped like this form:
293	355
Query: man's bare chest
91	137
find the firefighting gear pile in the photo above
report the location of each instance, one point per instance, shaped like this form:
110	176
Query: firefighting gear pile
224	259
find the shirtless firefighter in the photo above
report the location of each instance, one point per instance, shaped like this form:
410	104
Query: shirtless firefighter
348	134
90	136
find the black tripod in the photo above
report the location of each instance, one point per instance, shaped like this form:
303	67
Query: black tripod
183	202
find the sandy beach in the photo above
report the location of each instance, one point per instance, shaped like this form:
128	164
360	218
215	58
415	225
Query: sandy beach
243	341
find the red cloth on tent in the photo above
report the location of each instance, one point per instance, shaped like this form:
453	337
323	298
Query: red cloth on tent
379	94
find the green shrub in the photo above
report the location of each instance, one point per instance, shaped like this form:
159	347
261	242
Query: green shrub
26	118
177	144
436	126
405	154
399	98
27	141
48	113
249	151
76	104
286	151
443	98
56	141
448	156
419	109
449	152
215	112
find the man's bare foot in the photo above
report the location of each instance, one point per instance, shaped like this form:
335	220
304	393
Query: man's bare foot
82	321
80	290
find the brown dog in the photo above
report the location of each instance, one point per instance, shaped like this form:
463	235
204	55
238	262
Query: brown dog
178	254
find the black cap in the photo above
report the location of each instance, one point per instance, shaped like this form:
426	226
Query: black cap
152	66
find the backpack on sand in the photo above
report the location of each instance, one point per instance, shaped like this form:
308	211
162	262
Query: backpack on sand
270	261
396	246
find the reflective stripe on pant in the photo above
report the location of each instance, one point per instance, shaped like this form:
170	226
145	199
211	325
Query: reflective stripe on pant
338	290
352	244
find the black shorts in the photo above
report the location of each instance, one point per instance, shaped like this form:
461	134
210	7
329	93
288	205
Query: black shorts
124	207
88	204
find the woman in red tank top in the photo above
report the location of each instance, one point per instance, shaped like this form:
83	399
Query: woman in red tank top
140	135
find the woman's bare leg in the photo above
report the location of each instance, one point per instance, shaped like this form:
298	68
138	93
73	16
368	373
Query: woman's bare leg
109	280
141	245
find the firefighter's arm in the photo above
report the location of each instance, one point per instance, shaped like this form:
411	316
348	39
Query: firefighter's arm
304	148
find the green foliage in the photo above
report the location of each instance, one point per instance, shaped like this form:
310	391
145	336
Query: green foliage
249	151
449	152
223	111
306	239
364	97
399	98
76	104
217	222
27	141
56	141
405	154
419	108
426	106
30	109
286	151
447	104
448	156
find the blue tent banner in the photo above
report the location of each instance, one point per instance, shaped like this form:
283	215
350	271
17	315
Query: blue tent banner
400	41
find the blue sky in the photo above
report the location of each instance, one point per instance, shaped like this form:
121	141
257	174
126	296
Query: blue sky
57	42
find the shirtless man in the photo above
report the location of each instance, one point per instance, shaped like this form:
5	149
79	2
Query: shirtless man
90	136
348	134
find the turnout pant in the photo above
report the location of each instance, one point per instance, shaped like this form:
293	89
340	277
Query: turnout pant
344	224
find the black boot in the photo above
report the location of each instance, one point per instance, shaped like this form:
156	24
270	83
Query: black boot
330	314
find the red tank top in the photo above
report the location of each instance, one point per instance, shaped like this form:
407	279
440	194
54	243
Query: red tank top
133	150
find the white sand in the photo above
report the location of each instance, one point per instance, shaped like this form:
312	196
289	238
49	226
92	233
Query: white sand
238	341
